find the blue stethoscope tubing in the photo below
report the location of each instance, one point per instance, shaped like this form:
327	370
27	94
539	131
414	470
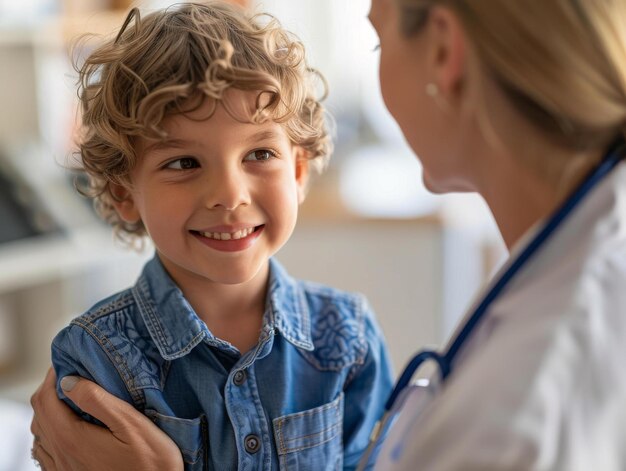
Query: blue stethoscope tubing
445	360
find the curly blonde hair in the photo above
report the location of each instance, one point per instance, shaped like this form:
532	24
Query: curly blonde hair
188	53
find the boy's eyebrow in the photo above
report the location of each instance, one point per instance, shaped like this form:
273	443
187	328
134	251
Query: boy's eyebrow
167	144
180	143
262	135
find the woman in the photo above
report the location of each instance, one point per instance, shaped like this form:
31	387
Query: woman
520	102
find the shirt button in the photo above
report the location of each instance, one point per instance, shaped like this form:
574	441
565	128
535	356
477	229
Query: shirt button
239	378
252	444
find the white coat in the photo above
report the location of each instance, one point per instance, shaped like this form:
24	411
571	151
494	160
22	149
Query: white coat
541	383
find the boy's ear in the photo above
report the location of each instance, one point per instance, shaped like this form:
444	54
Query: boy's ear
302	172
124	203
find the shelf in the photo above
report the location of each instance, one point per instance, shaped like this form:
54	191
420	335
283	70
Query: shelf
40	259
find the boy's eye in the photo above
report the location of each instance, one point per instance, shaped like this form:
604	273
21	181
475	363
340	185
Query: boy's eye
184	163
259	155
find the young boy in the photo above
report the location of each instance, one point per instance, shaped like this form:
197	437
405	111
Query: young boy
200	131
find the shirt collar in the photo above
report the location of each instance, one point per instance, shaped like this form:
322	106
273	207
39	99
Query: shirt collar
176	329
288	308
171	321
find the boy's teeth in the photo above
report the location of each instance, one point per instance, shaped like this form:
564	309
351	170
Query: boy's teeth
229	235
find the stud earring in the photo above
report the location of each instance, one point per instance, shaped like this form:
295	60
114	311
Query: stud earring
432	89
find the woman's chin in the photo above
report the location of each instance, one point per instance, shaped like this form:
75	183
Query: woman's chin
441	186
435	185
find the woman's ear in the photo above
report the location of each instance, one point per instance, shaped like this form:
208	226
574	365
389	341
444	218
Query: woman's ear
302	172
124	203
448	54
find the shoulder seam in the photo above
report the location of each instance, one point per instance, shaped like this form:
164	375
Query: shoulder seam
116	359
124	300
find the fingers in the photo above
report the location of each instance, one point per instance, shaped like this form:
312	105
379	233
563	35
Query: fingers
62	439
47	405
132	441
35	429
42	457
66	442
49	411
97	402
49	414
43	391
39	437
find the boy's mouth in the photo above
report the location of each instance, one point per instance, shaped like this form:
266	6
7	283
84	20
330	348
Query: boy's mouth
237	235
228	235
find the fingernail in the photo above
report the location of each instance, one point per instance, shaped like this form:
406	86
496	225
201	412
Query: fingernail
68	383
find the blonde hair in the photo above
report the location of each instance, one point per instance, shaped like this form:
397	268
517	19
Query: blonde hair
561	62
173	60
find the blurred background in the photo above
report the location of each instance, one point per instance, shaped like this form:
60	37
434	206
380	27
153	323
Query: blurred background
367	225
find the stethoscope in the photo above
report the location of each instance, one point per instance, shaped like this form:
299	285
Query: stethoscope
444	360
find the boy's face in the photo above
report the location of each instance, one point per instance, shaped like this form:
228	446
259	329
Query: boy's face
220	196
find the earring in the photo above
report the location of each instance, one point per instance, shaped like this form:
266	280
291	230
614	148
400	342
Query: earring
432	89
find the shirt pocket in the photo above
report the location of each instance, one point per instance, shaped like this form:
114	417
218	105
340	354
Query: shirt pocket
189	434
311	440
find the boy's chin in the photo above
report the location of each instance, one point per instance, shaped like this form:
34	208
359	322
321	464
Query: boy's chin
237	275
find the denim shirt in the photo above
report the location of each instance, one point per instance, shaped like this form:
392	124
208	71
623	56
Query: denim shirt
304	398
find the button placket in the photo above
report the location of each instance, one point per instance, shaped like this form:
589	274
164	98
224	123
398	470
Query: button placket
242	396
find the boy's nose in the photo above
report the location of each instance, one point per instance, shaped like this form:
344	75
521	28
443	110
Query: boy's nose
227	190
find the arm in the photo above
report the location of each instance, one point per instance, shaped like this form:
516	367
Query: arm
63	441
367	390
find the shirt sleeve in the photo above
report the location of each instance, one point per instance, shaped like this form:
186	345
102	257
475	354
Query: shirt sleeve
366	392
76	352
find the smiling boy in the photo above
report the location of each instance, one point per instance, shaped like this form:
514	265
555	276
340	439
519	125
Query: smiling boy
201	128
218	199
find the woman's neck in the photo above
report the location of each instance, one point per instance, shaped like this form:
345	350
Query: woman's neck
527	186
516	207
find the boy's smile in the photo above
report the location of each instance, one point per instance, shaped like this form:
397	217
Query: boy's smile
229	239
219	196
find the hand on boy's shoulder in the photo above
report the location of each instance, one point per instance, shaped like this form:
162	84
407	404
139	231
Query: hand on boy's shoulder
64	441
